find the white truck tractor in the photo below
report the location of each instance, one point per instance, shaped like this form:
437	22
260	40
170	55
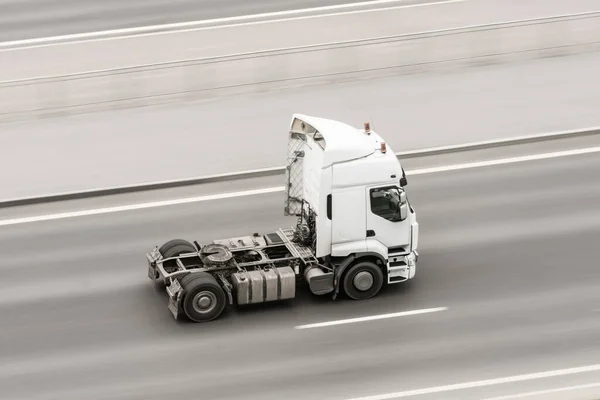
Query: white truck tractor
355	231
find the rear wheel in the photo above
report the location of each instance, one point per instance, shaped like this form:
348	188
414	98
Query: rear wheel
176	247
363	280
203	300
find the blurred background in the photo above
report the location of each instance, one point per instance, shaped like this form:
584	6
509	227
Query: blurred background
101	94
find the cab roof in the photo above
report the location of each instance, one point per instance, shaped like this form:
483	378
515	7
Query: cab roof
340	141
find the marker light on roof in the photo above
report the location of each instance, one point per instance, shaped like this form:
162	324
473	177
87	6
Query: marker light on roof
383	147
367	128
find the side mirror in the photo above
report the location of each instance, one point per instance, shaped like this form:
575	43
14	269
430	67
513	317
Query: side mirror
403	181
403	211
403	206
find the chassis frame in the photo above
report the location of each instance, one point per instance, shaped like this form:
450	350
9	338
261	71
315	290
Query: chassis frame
291	247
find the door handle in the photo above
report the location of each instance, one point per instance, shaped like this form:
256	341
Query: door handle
370	233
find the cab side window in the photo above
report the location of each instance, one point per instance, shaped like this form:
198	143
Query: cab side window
385	203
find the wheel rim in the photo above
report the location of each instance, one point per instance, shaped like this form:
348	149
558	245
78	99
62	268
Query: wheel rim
204	302
363	281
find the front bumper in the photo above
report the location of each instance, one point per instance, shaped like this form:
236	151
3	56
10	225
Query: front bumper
403	268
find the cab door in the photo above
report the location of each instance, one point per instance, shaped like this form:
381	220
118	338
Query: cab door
387	218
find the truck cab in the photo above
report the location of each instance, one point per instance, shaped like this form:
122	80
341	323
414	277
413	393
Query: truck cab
356	187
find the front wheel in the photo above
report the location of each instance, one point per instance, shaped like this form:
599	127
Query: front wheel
363	280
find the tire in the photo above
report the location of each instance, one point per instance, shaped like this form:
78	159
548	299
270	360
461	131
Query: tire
174	248
180	244
366	273
202	288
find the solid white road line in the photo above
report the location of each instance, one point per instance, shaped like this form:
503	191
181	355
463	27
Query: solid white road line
140	206
539	392
220	196
488	382
372	318
510	160
225	22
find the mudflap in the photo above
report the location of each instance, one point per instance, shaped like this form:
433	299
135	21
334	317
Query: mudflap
174	290
173	306
152	274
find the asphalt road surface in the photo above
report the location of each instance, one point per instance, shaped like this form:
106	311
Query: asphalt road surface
510	250
250	131
26	19
34	18
30	59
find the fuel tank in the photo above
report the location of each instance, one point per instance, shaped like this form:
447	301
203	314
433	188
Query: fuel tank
264	285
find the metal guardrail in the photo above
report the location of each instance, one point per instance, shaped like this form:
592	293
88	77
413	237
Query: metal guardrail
196	78
265	172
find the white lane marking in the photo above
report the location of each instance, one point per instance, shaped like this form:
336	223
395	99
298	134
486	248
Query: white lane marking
371	318
509	160
220	196
226	22
562	389
140	206
488	382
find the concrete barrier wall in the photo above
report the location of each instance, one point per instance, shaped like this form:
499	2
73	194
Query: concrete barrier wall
272	69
